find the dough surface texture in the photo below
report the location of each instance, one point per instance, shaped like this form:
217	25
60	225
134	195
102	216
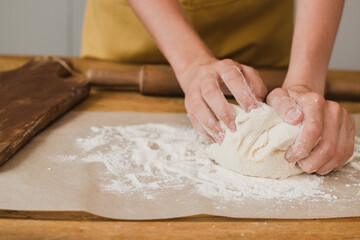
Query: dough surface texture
258	146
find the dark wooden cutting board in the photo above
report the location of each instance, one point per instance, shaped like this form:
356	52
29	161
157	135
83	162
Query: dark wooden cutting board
31	97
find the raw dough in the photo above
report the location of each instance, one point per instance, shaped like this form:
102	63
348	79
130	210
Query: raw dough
258	146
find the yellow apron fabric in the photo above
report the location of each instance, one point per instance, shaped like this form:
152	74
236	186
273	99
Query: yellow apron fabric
253	32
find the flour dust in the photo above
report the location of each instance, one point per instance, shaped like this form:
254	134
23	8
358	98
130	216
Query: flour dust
151	157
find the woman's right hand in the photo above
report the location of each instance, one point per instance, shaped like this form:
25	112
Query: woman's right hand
200	75
202	84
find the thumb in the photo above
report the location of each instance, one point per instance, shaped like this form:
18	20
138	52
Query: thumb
287	109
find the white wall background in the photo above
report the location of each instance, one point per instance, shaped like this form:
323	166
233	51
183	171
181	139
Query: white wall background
42	27
346	53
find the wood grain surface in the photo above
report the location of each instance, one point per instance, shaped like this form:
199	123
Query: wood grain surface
30	98
81	225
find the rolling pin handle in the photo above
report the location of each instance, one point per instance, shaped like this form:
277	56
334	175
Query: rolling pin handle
111	78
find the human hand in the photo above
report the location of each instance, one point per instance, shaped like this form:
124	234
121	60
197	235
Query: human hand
202	84
326	139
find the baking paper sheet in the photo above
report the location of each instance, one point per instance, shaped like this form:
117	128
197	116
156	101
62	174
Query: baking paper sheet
32	180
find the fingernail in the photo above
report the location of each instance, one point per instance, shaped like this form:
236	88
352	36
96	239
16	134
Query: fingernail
219	137
293	114
233	127
209	139
251	107
289	154
293	155
300	163
324	173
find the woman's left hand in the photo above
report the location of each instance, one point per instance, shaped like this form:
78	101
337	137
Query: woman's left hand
326	139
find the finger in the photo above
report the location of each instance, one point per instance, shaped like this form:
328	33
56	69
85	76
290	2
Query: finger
325	150
237	85
312	105
196	124
349	142
284	106
197	106
339	152
216	100
254	81
340	148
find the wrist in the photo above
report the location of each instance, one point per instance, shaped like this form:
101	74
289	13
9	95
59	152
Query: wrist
184	60
314	81
186	68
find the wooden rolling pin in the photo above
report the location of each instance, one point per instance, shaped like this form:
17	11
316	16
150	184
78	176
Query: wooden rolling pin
161	80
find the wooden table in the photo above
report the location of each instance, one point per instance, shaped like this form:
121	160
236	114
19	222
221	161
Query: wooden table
81	225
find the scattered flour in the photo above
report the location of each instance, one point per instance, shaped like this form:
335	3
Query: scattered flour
151	157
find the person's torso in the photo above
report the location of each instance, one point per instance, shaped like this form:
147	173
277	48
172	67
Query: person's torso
256	33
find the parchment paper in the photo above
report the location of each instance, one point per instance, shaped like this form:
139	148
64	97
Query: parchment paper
32	181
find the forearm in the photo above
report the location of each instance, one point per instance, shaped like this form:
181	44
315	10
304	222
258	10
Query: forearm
316	26
172	31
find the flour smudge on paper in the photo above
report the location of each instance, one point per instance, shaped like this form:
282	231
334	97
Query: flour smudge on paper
151	157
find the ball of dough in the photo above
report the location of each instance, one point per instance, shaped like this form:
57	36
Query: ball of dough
258	146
